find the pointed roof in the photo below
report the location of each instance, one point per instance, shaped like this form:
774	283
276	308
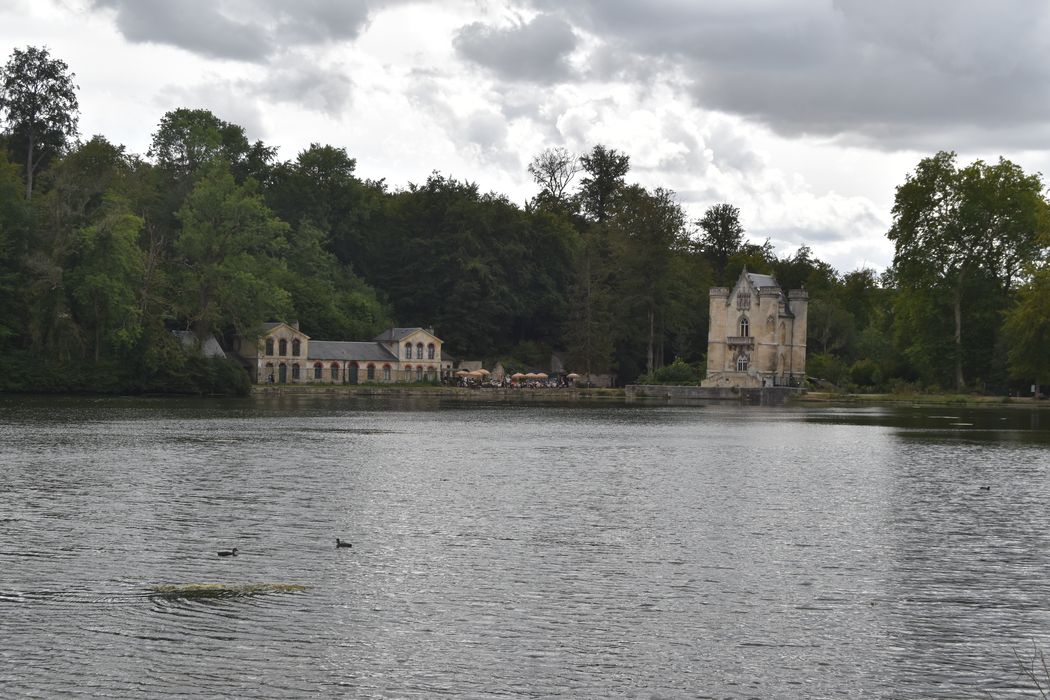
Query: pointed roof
209	345
392	334
272	325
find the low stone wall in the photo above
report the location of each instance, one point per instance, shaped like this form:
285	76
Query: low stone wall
761	396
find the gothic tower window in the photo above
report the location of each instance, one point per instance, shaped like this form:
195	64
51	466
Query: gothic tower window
745	327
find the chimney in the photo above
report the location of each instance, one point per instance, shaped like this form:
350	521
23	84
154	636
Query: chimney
294	324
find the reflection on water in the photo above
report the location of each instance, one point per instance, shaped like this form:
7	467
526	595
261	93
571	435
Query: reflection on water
519	550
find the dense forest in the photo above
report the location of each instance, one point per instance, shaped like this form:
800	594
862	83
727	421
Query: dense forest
103	253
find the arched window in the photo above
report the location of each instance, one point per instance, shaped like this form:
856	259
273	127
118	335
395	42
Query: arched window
282	347
419	351
419	373
371	373
295	347
295	370
269	346
318	368
430	351
741	362
335	371
386	373
745	327
408	351
269	378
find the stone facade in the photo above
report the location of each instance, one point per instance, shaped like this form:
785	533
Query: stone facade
284	354
757	335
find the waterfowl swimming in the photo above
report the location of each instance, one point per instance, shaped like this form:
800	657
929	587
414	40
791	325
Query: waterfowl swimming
986	488
228	552
339	543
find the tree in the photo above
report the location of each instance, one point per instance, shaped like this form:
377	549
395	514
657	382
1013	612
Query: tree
553	169
188	139
652	227
722	235
606	169
1027	328
38	97
228	250
105	276
951	225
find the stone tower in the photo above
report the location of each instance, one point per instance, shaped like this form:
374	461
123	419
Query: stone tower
757	335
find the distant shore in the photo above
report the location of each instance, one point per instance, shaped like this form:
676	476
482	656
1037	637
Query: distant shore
612	395
452	392
924	399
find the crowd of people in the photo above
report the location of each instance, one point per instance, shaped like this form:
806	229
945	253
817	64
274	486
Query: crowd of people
507	382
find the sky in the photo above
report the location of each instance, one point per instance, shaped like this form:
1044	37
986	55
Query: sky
805	114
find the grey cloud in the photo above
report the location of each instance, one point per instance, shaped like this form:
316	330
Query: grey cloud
299	81
197	26
892	74
486	129
244	30
534	51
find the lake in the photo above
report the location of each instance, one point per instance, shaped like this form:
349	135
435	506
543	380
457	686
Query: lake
505	550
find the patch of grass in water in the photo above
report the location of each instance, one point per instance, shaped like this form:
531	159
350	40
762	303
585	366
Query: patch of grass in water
176	591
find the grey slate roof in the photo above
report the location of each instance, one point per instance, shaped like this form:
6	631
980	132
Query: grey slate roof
349	351
209	347
395	334
762	280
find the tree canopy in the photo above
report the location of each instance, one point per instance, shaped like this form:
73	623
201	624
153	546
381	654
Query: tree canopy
38	101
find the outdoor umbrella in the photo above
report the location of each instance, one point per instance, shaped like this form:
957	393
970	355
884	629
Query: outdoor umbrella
572	375
517	375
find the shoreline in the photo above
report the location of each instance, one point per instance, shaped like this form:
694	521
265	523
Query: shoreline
962	400
452	392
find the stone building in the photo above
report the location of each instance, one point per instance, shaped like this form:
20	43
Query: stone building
284	354
757	335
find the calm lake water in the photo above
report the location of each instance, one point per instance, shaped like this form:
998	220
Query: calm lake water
521	550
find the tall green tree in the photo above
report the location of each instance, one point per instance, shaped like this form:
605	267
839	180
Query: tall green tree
606	169
228	249
953	228
652	226
105	276
1027	329
39	102
186	140
14	236
722	236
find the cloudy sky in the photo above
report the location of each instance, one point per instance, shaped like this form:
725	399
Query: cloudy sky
806	114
